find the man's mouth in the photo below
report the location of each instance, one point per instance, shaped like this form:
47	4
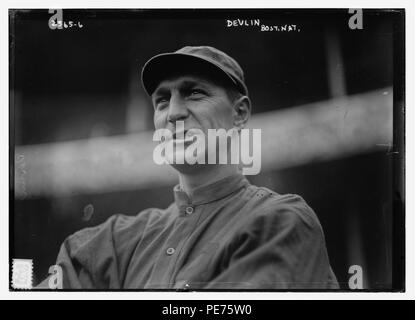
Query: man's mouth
179	135
184	136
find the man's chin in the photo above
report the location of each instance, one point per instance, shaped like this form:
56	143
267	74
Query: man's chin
189	168
181	163
186	158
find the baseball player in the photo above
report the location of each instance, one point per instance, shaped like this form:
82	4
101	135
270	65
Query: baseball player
221	232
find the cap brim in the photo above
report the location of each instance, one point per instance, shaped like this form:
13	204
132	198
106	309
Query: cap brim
164	65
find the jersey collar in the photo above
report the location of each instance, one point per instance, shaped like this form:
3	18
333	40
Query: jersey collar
211	192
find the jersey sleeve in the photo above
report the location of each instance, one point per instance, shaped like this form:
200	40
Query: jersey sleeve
282	247
95	258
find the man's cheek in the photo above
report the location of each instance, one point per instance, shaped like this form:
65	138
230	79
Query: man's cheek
224	118
158	121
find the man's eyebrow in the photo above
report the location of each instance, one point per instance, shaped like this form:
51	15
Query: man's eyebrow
186	84
183	85
160	91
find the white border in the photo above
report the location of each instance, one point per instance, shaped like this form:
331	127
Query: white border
4	118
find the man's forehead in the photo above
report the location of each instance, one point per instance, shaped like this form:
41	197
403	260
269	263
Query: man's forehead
185	79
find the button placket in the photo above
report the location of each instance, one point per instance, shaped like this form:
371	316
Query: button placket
194	221
182	228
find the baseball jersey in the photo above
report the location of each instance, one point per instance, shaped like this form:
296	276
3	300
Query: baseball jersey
229	235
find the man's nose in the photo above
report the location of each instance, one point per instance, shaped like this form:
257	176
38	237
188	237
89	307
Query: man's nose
177	109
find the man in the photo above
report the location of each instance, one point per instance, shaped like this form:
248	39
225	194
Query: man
221	232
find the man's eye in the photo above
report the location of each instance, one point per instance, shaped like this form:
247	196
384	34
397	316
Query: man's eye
196	92
160	102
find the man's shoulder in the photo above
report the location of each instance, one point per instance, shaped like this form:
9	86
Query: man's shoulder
115	226
290	209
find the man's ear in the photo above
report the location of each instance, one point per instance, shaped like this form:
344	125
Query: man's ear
242	112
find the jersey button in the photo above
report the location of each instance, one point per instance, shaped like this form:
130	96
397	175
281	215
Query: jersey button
189	210
170	251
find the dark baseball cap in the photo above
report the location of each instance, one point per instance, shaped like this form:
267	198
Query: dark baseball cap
204	59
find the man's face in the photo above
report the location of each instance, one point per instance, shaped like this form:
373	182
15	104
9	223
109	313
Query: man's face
195	100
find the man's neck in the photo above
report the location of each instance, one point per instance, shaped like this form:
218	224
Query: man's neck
191	181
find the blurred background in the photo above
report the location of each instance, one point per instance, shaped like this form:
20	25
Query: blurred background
81	125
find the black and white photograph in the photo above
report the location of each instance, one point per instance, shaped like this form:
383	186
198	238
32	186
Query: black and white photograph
207	150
